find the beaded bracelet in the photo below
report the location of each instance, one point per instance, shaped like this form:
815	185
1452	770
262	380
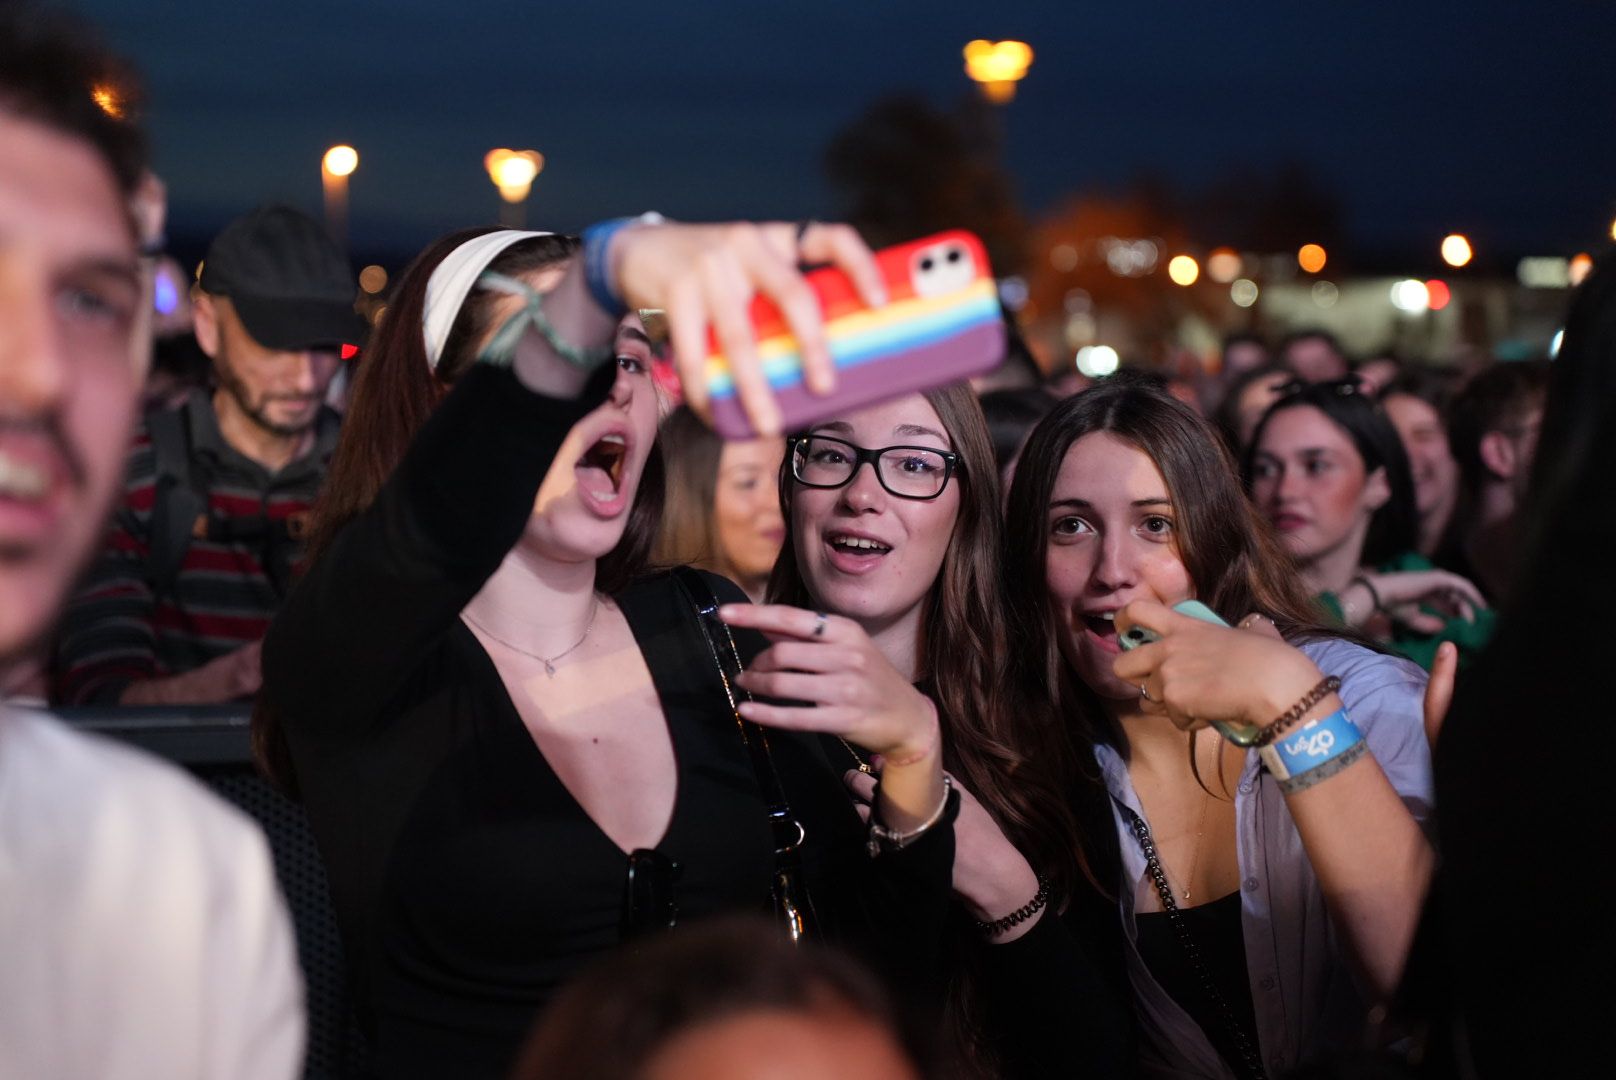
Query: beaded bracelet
1327	686
1018	916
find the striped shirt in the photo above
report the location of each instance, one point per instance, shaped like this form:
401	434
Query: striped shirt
117	630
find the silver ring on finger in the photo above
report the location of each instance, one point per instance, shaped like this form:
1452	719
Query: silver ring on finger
1145	693
820	622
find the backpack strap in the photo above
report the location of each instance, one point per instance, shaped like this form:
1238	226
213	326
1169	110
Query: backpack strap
180	504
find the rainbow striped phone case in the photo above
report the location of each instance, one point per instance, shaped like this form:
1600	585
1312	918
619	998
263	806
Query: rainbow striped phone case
941	323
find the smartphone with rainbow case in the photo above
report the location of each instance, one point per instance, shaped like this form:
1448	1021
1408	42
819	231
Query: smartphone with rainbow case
941	323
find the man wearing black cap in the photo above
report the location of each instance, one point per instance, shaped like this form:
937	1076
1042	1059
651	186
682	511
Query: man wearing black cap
202	550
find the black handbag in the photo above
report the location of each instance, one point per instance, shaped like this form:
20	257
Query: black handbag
788	891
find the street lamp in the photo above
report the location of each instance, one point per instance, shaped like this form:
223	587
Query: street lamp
513	172
1456	250
998	66
338	164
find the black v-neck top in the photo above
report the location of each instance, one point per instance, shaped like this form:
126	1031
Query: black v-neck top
467	880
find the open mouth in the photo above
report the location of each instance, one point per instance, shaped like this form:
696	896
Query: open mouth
600	469
32	501
22	481
857	545
1102	624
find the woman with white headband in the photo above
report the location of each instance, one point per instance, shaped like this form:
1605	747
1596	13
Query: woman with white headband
513	742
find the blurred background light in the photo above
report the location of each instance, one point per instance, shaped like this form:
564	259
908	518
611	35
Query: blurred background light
1183	269
1578	268
1223	266
1311	258
1098	361
1438	293
1456	250
1411	296
1244	292
1325	293
340	161
1544	272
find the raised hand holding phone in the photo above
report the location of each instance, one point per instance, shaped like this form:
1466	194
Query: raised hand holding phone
1236	680
941	323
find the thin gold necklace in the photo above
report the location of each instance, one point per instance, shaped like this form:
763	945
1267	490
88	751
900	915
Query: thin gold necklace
1200	831
549	662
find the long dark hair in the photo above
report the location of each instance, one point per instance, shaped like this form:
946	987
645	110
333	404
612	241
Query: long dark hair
960	655
1232	557
989	743
1394	527
395	391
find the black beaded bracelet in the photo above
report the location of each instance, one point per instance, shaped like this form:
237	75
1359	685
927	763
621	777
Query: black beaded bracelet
1287	719
1018	916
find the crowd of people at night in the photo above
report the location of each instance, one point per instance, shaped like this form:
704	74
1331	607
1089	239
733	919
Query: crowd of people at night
1229	730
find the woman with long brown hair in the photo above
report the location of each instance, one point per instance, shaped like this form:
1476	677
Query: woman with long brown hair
722	512
892	519
1265	895
514	744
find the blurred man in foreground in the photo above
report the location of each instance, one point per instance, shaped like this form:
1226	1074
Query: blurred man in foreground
141	933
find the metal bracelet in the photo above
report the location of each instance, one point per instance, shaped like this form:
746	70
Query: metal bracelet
884	839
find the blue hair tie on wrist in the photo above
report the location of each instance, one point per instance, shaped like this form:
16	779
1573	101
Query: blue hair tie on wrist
597	242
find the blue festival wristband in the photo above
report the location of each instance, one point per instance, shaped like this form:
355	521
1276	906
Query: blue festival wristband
1332	740
597	243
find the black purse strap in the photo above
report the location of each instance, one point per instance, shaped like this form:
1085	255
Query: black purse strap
1250	1064
788	831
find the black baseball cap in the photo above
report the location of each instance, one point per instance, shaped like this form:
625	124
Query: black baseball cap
287	279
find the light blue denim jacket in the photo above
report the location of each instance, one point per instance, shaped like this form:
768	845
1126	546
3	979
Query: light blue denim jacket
1306	997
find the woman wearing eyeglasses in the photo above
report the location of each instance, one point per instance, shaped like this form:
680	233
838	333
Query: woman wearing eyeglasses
513	743
892	517
1328	470
1266	892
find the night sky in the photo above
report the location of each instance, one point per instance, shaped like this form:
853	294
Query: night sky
1488	117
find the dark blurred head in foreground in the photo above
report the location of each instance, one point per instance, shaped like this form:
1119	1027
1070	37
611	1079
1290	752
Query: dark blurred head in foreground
728	1000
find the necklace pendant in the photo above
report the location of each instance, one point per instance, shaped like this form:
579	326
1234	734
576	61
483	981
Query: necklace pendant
1186	894
549	668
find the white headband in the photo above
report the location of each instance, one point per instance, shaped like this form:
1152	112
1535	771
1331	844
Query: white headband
452	281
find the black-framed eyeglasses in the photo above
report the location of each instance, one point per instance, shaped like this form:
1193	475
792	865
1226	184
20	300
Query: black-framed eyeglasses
909	472
1346	386
650	898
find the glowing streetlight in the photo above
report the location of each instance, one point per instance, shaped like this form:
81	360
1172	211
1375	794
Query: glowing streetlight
1183	269
997	66
513	172
1311	258
338	164
1456	250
